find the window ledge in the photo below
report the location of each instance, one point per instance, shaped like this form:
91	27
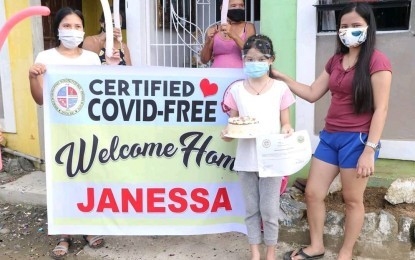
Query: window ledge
374	4
378	32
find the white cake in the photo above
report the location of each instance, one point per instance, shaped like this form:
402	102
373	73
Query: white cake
242	126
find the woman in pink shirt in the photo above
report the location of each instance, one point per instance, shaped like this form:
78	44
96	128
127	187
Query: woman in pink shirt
224	42
359	78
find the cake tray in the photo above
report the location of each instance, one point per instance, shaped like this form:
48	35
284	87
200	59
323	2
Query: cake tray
241	136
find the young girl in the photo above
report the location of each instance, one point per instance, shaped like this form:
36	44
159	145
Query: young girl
359	78
267	100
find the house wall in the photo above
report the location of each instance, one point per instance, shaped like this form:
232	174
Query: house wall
24	43
7	121
302	55
306	55
91	10
279	22
312	53
25	140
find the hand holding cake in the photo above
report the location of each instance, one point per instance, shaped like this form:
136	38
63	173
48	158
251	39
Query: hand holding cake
242	127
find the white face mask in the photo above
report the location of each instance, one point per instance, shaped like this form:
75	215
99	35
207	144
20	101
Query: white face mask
71	38
353	37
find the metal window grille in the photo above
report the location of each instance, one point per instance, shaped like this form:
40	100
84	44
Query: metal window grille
177	32
390	15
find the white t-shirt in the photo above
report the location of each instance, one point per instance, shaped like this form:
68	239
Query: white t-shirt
53	57
266	108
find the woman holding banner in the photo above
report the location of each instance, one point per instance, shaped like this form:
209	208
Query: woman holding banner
68	27
224	42
97	43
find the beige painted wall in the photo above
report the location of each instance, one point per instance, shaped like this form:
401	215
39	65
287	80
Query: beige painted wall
399	47
26	139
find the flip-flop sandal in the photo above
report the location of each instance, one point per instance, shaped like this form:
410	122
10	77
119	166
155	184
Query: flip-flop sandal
94	239
287	256
61	248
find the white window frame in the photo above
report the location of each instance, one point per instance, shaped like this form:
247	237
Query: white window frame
305	73
8	123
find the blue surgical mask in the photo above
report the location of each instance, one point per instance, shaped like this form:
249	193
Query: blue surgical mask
256	69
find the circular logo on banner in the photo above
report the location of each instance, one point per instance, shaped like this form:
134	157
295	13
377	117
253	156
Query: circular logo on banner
300	139
67	97
266	143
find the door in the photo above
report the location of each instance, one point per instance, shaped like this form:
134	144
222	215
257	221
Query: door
7	116
47	21
171	32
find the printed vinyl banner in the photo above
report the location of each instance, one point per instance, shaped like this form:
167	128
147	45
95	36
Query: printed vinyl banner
137	151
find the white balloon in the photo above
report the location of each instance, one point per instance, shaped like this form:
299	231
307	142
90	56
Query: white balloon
224	13
117	23
109	30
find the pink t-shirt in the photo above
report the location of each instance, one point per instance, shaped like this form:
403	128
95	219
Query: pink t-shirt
226	52
341	116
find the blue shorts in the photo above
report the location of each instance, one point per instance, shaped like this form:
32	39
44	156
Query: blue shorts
341	148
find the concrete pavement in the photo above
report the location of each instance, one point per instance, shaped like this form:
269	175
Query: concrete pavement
31	189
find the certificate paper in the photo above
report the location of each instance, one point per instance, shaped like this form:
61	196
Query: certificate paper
281	156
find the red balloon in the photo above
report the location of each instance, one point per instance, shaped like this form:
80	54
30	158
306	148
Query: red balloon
15	19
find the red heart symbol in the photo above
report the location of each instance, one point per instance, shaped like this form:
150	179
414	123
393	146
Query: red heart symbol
207	88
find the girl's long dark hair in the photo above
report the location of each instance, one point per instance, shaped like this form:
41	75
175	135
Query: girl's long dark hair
362	86
62	13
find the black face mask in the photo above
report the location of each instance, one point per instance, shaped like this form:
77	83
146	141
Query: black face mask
236	15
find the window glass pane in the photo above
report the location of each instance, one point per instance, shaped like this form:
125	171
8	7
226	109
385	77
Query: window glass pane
389	14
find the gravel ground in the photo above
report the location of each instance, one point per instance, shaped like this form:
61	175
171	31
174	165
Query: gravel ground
23	234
